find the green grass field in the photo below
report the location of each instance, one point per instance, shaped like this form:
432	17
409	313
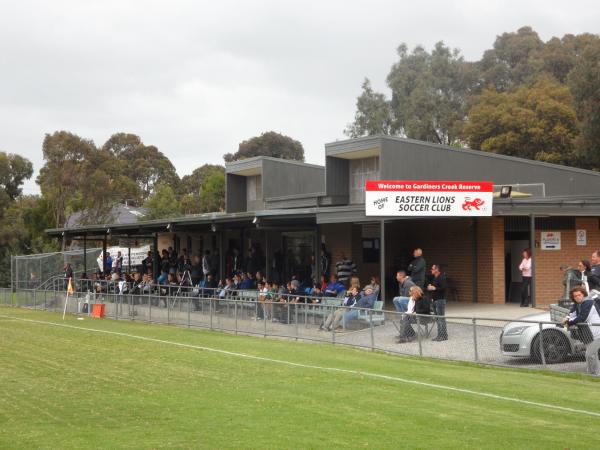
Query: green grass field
65	387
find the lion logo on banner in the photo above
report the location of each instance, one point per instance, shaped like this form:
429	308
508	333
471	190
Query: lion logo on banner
469	204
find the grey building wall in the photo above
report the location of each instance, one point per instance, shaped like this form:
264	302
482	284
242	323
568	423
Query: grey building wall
235	193
281	178
337	171
411	160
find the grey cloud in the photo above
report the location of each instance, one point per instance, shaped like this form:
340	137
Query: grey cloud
196	78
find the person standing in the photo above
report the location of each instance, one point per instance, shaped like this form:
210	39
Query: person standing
437	289
325	261
525	268
206	264
417	267
119	263
108	264
345	268
594	278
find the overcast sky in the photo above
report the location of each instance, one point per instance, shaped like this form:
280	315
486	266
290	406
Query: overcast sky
195	78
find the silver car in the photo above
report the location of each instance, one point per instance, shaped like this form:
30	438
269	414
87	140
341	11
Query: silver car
522	339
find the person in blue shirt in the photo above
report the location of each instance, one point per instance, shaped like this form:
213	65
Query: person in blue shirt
334	288
367	301
247	282
108	264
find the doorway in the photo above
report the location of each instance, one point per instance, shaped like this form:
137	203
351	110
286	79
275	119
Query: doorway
513	248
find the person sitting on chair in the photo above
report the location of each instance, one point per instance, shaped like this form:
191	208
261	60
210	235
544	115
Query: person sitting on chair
583	313
366	301
336	316
417	304
334	288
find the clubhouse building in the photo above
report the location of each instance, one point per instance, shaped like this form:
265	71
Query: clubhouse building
289	209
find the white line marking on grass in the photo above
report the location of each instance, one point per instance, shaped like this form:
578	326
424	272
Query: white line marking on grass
323	368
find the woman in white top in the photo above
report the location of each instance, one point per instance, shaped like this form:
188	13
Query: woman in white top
525	268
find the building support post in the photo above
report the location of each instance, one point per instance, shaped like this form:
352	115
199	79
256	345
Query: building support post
84	255
155	258
104	254
475	262
221	255
317	254
532	248
267	250
382	260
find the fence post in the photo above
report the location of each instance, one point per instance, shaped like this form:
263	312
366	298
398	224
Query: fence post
235	305
189	302
372	335
150	305
332	328
210	309
542	346
264	318
34	299
419	337
296	317
475	339
168	304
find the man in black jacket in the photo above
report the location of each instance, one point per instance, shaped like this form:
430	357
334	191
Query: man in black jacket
417	267
437	289
594	277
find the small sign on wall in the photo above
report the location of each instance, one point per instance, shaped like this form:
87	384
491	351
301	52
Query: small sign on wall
550	240
581	237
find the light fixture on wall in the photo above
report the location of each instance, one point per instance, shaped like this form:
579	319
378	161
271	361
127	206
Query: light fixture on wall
505	191
168	226
255	220
213	228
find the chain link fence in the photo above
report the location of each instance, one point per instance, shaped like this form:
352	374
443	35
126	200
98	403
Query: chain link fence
31	271
536	342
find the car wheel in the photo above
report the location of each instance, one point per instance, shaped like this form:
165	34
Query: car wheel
556	347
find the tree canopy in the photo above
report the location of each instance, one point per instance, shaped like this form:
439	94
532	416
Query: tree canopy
537	122
268	144
524	97
162	203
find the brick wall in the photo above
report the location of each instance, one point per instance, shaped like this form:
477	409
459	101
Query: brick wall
490	256
548	286
346	239
448	242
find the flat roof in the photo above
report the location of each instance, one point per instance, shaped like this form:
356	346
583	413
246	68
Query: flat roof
339	148
241	166
585	206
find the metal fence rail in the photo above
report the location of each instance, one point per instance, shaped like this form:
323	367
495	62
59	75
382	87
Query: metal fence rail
497	341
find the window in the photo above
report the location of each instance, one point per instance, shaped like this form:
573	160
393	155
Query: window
362	170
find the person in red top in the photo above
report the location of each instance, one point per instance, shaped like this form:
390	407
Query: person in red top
525	268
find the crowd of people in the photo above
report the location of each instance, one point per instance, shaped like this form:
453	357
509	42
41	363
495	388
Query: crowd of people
420	293
197	276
